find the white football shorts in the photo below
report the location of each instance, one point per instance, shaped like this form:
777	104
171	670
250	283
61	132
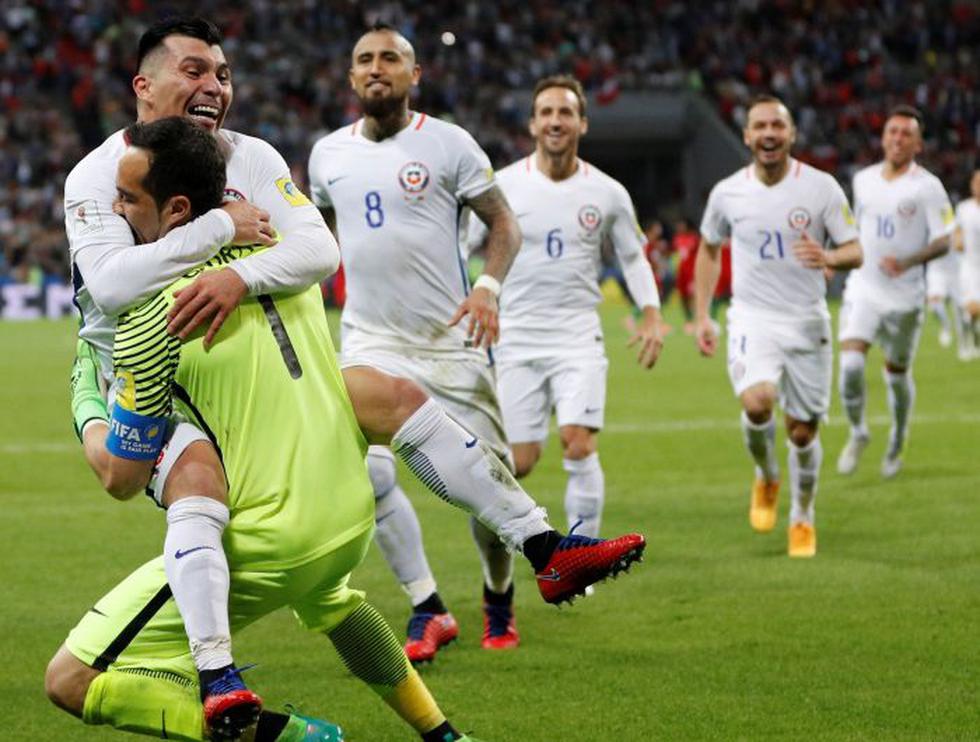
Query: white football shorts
575	388
794	355
464	384
969	283
942	278
897	331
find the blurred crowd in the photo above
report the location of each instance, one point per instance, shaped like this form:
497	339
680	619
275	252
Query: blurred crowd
66	67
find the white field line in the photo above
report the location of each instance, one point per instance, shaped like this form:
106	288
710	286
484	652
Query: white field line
651	427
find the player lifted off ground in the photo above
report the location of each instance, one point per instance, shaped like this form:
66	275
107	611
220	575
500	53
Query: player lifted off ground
551	354
395	182
905	220
780	214
968	243
300	523
184	72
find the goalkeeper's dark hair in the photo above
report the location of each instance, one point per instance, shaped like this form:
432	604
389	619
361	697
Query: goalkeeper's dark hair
184	161
193	26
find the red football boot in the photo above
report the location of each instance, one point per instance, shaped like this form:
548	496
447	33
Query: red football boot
580	561
229	707
499	630
427	633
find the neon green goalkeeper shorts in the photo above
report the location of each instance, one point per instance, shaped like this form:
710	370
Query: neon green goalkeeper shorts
137	625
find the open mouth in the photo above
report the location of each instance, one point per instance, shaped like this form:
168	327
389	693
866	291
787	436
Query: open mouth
205	114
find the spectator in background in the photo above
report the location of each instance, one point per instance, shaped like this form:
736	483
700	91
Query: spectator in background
685	245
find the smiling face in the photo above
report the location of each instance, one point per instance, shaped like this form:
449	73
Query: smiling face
148	220
769	134
382	72
557	123
185	76
901	140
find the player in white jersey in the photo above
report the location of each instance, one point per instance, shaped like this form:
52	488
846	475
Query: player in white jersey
905	220
779	214
551	353
395	182
967	240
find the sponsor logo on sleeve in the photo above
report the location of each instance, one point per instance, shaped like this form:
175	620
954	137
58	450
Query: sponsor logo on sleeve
86	218
948	216
293	195
489	173
848	216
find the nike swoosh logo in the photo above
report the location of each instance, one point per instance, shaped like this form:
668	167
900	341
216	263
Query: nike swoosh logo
470	444
96	611
181	554
590	410
331	181
552	576
386	515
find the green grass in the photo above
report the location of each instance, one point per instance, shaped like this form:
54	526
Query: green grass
718	635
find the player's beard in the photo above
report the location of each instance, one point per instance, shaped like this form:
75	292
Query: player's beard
383	107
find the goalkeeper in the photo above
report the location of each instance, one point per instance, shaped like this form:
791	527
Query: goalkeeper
290	541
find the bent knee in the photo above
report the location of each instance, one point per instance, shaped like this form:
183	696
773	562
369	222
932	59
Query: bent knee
578	443
197	472
801	433
526	456
66	681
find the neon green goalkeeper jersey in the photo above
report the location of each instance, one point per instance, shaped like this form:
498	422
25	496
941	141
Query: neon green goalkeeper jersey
270	395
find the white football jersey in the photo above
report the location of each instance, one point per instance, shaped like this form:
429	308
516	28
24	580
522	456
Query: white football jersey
896	217
398	204
763	223
549	297
110	273
968	220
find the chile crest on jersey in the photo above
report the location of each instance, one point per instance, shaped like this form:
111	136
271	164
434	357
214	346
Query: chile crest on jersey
590	219
414	179
799	218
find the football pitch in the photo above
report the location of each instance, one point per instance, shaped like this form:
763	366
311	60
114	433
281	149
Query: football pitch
716	636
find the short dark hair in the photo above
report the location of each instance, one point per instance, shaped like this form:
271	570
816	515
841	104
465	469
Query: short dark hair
909	112
560	81
193	26
184	161
760	98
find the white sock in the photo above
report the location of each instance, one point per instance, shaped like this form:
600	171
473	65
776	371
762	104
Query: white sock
197	570
584	494
462	469
804	471
901	397
852	390
761	442
397	530
496	558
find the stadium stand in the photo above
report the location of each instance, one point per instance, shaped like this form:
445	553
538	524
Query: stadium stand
65	70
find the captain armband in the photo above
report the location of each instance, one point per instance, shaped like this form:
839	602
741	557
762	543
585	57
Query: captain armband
135	436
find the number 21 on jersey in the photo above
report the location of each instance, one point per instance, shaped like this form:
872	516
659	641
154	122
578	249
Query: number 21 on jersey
772	245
